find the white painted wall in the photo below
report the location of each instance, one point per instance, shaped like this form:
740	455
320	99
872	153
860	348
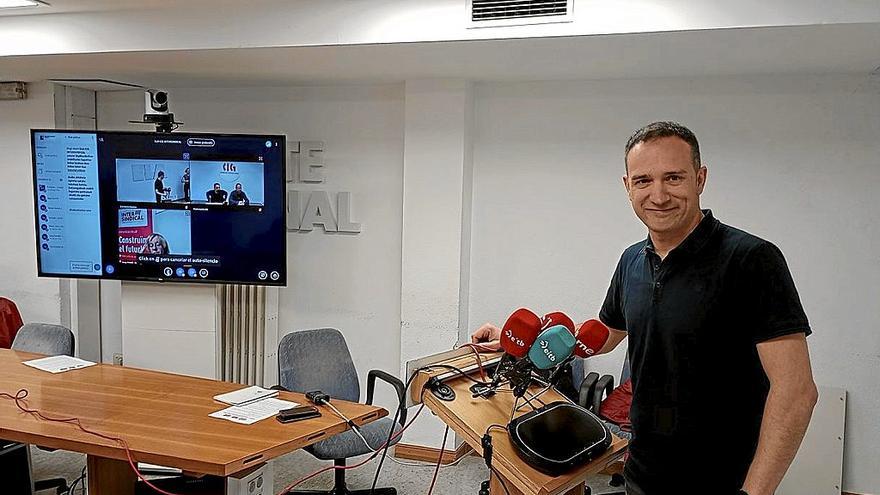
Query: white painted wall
169	327
195	24
38	300
791	159
436	226
351	282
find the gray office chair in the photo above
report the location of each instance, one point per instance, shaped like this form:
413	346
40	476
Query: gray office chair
44	338
52	340
320	360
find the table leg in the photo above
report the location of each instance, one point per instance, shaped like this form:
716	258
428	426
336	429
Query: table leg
495	487
110	476
578	489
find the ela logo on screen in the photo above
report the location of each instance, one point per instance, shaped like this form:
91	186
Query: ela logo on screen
229	167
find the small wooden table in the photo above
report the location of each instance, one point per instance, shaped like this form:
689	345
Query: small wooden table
162	416
470	418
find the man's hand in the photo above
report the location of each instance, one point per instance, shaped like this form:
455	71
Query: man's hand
488	336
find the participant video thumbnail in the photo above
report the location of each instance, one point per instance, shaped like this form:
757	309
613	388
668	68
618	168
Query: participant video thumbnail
152	181
189	181
232	183
147	232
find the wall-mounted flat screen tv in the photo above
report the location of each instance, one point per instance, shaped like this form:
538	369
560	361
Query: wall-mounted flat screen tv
178	207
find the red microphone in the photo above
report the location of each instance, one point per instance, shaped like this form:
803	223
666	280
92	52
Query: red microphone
591	337
519	332
558	318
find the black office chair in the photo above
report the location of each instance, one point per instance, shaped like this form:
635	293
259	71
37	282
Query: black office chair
593	390
320	360
15	472
52	340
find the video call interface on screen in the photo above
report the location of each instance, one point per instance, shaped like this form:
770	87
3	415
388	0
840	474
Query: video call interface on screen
171	207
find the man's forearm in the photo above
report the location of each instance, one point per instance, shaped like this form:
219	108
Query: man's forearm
615	337
787	414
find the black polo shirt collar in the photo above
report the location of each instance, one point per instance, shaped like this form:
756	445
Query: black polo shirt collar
695	240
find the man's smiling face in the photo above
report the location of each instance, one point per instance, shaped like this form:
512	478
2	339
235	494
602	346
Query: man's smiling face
664	185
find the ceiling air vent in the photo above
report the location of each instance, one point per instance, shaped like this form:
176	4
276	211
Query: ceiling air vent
511	12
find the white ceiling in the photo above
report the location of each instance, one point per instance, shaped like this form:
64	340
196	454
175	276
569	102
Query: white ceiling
849	48
69	6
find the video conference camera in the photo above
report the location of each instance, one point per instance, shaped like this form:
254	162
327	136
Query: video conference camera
156	111
155	102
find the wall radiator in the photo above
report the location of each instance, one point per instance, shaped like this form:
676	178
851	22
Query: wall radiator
248	343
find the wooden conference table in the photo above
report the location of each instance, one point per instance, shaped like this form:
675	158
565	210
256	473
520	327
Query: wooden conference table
470	418
162	416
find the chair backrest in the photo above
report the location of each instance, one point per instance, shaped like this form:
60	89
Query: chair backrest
44	338
577	371
10	322
318	359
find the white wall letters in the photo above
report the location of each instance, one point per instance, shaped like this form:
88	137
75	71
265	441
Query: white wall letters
308	165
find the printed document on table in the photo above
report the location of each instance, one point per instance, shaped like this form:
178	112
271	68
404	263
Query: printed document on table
251	413
58	364
245	395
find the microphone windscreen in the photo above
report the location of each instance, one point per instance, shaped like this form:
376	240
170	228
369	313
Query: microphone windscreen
552	347
558	318
591	337
519	332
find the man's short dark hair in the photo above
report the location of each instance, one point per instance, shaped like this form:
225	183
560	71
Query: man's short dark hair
657	130
216	183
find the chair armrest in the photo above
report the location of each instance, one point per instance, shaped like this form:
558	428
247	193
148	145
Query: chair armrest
587	389
603	387
394	382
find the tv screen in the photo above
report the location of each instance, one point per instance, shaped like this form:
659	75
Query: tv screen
176	207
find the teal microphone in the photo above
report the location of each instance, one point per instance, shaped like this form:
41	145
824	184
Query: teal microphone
552	347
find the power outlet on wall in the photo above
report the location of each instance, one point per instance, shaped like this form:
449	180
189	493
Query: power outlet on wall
117	359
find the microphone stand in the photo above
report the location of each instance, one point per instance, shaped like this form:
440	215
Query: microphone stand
547	384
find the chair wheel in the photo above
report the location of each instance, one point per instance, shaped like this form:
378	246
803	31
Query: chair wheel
484	488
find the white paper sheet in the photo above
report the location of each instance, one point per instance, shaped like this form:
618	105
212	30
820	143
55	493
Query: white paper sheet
253	412
245	395
58	364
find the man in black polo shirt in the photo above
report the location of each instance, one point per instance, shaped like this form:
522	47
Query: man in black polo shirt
722	385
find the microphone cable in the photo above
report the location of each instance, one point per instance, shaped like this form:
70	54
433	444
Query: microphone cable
20	401
79	481
487	454
391	435
476	348
357	431
439	460
353	466
409	382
